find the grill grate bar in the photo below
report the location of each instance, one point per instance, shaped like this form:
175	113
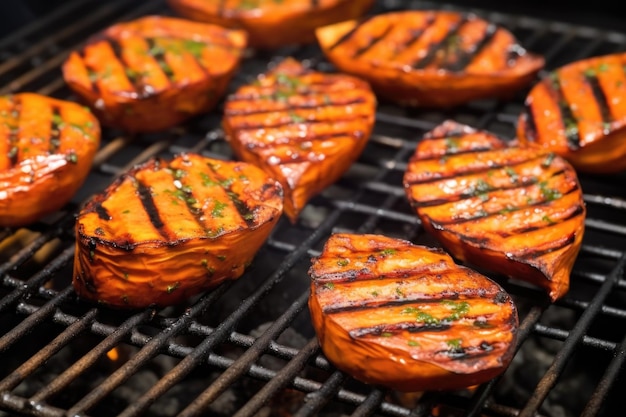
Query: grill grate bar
25	79
606	383
104	13
280	381
33	320
561	358
80	366
235	371
148	351
28	367
66	9
37	280
371	403
483	392
317	399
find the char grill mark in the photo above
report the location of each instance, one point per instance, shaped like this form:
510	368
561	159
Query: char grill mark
145	196
600	98
220	7
188	197
530	127
373	41
128	72
434	48
387	330
244	127
465	58
56	124
415	35
468	171
570	124
306	106
350	33
575	211
158	53
102	212
246	214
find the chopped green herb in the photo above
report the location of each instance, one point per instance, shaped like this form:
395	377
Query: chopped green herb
221	257
452	145
170	288
99	231
548	160
603	67
400	292
512	174
571	127
329	286
548	193
71	157
296	118
387	252
412	343
343	262
458	309
589	72
548	220
218	209
454	343
195	48
374	293
482	323
386	334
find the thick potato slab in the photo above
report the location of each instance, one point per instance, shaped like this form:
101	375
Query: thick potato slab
47	147
407	317
166	231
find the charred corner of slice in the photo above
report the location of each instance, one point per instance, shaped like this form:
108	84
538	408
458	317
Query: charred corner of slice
411	318
507	208
167	230
303	127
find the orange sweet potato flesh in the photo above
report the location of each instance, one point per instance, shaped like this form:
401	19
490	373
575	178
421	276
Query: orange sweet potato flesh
155	72
578	112
273	23
166	231
304	128
47	147
515	210
427	58
404	316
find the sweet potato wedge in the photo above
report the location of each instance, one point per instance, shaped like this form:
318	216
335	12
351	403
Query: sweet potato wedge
430	58
272	23
155	72
304	128
407	317
578	112
515	210
166	231
47	147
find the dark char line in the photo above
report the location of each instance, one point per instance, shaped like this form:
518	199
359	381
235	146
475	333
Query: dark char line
567	117
350	33
55	130
433	48
600	97
145	196
466	57
307	106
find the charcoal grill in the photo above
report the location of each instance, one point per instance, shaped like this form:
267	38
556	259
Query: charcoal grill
247	348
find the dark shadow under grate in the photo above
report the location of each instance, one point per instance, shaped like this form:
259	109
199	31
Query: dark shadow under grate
247	348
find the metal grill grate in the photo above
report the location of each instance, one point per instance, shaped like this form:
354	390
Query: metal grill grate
247	348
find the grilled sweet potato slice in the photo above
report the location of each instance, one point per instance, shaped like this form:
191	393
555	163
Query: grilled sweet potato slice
152	73
578	111
273	23
47	147
515	210
304	128
165	231
407	317
430	58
